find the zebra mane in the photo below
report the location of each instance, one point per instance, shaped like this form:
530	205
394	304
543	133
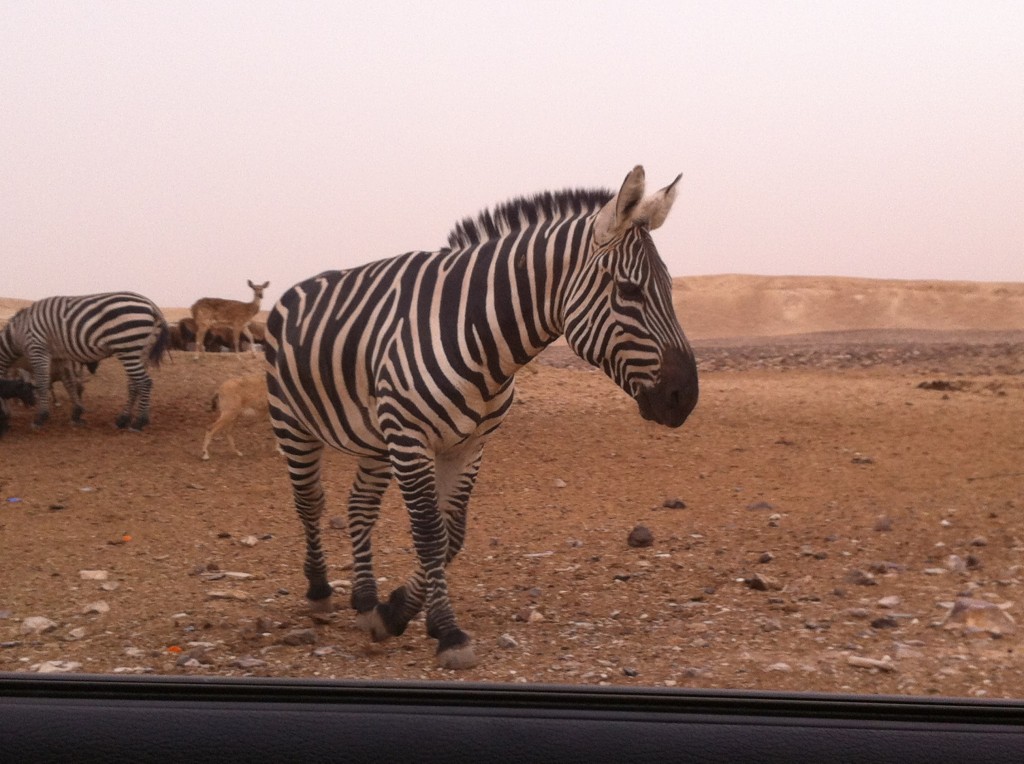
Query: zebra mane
525	211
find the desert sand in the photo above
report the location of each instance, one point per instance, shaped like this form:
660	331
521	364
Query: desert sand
855	467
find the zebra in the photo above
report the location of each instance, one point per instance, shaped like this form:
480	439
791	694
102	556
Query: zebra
409	364
86	329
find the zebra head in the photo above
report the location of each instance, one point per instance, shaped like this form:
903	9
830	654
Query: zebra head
618	309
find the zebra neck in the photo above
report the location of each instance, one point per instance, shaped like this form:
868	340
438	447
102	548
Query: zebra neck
529	273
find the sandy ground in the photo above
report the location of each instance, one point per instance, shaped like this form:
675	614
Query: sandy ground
813	523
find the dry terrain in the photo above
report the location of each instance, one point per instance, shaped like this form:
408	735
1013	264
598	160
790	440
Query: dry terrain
839	487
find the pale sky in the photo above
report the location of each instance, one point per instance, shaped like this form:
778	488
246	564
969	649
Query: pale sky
180	148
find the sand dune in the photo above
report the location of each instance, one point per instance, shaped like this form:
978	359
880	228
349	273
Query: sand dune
744	305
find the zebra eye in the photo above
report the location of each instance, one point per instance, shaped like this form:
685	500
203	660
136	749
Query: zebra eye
630	290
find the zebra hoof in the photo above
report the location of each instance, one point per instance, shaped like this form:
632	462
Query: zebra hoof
457	658
325	605
374	625
122	422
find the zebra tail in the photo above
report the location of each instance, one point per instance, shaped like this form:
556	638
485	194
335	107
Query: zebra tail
162	344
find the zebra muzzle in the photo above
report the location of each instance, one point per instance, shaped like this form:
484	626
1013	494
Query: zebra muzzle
674	396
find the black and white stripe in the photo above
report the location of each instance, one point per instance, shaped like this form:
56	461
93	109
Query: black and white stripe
409	364
86	329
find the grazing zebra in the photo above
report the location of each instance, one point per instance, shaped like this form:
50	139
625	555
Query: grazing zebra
409	364
86	329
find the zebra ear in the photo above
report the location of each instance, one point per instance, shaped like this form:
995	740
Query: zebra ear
655	208
619	212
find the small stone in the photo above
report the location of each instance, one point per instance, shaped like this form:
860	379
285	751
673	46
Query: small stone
956	563
323	652
630	671
99	608
338	523
674	504
57	507
300	637
535	617
862	459
76	634
559	483
759	505
227	595
884	622
640	536
249	540
507	641
780	666
889	602
860	578
93	575
766	557
110	586
885	664
883	524
248	662
37	624
979	541
57	667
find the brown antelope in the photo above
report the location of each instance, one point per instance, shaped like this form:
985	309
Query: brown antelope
236	396
211	312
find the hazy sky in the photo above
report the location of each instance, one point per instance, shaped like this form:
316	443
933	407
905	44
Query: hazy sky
179	148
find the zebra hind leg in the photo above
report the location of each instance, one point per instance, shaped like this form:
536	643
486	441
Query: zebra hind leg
304	461
381	621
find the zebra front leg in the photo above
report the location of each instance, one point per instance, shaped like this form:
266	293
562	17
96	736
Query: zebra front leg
455	475
416	477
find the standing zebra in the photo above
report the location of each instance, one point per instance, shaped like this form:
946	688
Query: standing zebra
86	329
409	363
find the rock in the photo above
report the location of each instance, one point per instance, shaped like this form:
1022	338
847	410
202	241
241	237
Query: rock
673	504
973	616
507	641
766	557
760	583
93	575
535	617
862	459
338	523
883	524
57	667
780	666
630	671
76	634
889	602
37	624
979	541
249	540
640	536
559	483
758	505
884	622
99	608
